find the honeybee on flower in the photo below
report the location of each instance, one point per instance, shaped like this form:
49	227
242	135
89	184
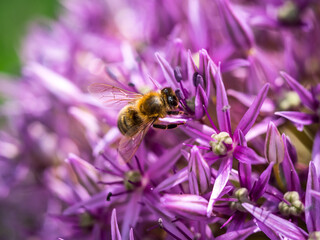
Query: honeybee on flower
139	112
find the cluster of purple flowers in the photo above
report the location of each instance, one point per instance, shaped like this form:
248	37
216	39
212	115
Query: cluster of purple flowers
245	161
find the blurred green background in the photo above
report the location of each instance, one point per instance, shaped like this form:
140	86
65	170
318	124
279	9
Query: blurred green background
15	17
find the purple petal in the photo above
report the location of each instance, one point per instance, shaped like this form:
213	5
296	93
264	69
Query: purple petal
268	106
244	169
223	107
170	120
261	184
247	155
252	113
165	162
177	53
115	233
85	172
176	228
197	24
211	72
312	205
290	173
186	205
55	83
315	194
172	181
292	152
220	183
268	231
197	130
298	118
238	222
203	65
167	71
241	139
234	64
131	236
305	95
316	152
239	32
200	100
192	68
280	226
130	217
96	201
63	191
262	127
199	172
274	147
89	122
261	71
239	234
264	21
245	175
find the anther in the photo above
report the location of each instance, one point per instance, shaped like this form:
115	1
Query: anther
179	94
177	74
195	78
109	196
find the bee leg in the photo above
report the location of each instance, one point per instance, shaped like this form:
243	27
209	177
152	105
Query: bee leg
163	126
159	126
175	112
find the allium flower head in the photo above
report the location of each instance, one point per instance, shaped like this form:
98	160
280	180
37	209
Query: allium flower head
234	155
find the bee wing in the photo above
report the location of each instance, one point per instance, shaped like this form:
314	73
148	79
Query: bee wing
128	146
110	95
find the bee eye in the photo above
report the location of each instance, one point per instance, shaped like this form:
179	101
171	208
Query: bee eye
172	101
165	91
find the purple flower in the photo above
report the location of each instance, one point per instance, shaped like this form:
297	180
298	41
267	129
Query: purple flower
273	226
232	168
308	99
115	233
199	174
225	144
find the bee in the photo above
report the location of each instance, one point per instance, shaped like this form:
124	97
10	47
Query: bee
139	113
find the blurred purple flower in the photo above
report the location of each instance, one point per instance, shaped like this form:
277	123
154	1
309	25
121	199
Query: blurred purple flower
59	146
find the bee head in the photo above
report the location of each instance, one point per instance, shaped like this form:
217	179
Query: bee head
170	98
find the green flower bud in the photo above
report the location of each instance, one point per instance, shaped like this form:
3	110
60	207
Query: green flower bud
218	146
295	207
242	194
291	196
284	208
